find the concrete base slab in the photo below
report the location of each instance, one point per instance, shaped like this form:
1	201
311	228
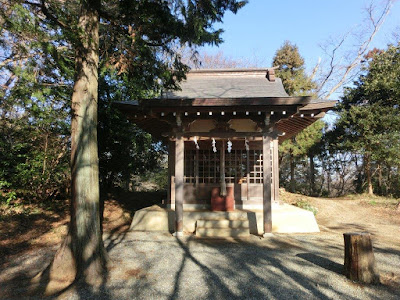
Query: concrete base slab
285	219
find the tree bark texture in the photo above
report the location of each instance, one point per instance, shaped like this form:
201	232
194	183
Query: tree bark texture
328	179
312	175
292	173
380	179
359	259
82	255
367	163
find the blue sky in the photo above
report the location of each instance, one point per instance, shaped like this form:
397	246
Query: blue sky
261	27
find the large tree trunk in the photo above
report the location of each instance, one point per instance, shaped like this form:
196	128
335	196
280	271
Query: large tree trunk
82	256
328	178
380	179
389	179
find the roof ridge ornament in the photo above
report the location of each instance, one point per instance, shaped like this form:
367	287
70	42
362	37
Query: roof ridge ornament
271	73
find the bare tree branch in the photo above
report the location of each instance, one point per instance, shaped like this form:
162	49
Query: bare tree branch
334	66
315	70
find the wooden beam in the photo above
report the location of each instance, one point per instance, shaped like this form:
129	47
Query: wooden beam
179	171
219	134
267	184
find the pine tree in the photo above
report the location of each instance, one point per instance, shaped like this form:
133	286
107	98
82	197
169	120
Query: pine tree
303	145
297	83
291	71
369	120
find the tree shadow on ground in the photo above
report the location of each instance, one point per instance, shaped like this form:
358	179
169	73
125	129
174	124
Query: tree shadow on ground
322	262
242	257
241	260
19	282
18	231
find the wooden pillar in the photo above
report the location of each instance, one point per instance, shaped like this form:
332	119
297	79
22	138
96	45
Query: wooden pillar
179	170
248	174
267	184
171	172
196	168
222	169
272	172
171	166
275	169
196	174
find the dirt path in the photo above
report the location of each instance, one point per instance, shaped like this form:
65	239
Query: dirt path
346	215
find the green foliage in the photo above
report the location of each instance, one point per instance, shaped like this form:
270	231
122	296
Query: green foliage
139	42
305	141
307	206
291	71
158	177
372	130
6	196
295	151
369	123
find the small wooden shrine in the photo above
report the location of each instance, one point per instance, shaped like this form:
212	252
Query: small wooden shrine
223	129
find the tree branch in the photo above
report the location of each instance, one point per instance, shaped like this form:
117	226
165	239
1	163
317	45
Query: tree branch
44	9
361	52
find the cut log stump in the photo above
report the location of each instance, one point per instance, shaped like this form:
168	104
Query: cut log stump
359	259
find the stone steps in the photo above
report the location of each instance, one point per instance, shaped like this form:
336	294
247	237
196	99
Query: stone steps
223	215
222	232
222	227
223	223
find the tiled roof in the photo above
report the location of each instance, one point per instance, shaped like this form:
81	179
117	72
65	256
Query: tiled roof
234	83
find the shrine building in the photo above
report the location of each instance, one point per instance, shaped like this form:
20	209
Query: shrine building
223	129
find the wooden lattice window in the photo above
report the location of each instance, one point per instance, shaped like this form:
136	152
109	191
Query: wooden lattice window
207	163
256	166
240	166
190	166
236	166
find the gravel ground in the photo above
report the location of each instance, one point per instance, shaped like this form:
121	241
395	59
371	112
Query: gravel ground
154	265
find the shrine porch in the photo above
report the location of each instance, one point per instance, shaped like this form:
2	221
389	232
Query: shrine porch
285	219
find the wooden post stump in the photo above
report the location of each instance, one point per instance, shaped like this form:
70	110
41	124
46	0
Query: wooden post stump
359	259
